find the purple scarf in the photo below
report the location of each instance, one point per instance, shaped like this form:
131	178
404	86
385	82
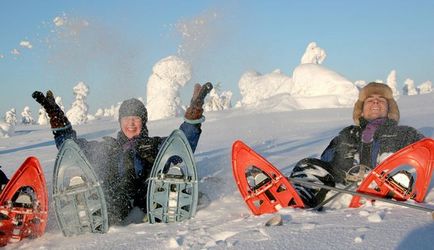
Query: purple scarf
369	131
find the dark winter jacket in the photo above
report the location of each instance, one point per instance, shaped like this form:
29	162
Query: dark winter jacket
347	149
124	165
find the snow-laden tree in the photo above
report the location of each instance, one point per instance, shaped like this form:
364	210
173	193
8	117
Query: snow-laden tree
409	88
313	54
99	113
163	98
110	111
59	102
425	87
42	117
6	129
79	110
360	84
11	117
26	116
216	101
392	83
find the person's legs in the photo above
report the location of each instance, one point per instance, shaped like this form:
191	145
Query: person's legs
312	170
3	180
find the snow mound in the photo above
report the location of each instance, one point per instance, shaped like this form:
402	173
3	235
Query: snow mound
315	80
255	87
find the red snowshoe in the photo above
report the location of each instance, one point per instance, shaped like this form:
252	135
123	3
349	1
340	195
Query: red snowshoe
263	187
24	204
404	175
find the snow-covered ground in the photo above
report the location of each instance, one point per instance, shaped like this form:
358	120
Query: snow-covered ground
223	220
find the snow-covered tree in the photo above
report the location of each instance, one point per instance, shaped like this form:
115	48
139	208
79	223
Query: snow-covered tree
217	101
313	54
391	82
11	117
409	88
90	117
59	102
6	129
26	116
109	111
360	84
425	87
168	76
78	112
42	117
99	113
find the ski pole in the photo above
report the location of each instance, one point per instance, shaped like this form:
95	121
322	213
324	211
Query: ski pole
320	206
355	193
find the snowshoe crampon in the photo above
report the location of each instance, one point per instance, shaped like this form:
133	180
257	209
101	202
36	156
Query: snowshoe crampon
264	188
414	162
172	194
24	204
79	201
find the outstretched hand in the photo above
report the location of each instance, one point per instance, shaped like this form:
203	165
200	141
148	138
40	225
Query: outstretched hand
48	101
195	111
57	117
199	94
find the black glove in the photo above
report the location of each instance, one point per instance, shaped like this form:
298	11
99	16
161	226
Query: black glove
55	113
195	111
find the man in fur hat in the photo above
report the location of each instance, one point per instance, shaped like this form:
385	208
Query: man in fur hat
375	136
124	163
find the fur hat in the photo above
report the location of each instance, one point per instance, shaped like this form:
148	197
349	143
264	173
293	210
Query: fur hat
133	107
379	89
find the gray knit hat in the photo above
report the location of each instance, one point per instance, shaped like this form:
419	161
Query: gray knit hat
133	107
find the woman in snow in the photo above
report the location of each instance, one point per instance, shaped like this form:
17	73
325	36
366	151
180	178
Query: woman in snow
123	163
375	136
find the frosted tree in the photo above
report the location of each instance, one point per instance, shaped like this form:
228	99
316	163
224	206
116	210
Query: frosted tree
59	102
313	54
409	88
42	116
79	110
217	101
11	117
113	111
26	116
109	111
360	84
391	82
99	113
425	87
6	130
168	76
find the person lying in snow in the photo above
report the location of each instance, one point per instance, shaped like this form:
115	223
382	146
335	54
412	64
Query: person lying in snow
123	163
375	136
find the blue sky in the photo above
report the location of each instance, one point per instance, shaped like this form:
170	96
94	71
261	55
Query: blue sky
115	52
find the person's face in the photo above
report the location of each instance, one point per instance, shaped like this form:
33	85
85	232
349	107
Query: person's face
131	126
375	106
